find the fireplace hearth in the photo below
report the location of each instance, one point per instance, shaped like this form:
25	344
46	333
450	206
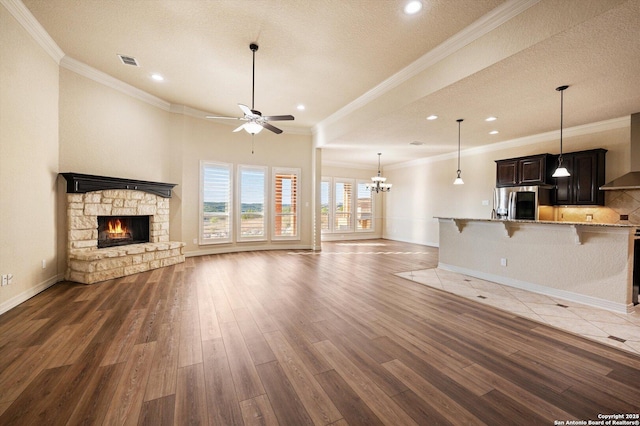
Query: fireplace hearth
122	230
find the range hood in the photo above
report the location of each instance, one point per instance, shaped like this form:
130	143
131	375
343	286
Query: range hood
630	180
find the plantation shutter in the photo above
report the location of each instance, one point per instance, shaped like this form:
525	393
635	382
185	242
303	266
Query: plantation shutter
252	202
285	184
216	219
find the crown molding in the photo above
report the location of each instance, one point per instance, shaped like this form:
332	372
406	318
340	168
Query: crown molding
19	11
585	129
479	28
105	79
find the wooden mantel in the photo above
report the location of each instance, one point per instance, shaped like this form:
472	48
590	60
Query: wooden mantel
78	183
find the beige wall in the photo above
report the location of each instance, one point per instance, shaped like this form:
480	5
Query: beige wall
108	133
424	190
28	163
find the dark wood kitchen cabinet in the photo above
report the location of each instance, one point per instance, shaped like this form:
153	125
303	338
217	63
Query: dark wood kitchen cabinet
587	170
531	170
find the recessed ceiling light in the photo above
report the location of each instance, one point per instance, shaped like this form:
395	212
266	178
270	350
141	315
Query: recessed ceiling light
492	118
494	132
157	77
300	107
412	7
432	117
416	143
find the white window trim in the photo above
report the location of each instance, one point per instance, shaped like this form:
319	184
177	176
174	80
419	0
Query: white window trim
209	241
266	209
274	172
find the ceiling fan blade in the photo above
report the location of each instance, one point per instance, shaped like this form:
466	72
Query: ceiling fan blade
240	128
279	117
272	128
245	109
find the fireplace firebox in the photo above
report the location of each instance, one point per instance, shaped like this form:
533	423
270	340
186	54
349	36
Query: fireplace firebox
122	230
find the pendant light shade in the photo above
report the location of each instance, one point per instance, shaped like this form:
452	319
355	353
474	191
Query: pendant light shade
561	171
458	180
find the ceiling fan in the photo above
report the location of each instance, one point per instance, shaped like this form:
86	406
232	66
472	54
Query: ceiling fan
255	121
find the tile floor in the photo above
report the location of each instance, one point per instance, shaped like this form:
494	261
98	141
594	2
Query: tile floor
610	328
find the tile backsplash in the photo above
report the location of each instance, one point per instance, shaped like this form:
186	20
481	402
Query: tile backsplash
617	203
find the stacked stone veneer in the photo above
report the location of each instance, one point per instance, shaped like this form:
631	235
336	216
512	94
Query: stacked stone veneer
88	264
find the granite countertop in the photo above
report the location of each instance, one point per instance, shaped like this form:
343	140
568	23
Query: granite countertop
546	222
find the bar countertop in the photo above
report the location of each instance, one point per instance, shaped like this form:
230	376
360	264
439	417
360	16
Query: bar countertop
542	222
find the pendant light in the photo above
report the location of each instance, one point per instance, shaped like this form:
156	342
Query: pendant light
459	180
561	171
378	182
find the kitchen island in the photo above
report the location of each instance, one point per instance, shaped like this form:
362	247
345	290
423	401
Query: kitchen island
589	263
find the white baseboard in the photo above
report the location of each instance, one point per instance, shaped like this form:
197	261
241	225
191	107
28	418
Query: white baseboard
28	294
547	291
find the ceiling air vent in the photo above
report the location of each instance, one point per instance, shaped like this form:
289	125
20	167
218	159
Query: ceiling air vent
129	60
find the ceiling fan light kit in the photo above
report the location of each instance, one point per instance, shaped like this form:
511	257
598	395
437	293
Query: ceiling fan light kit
255	121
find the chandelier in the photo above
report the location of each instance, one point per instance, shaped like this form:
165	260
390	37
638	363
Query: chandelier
378	182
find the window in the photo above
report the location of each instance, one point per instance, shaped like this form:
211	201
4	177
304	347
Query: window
251	203
364	208
285	203
346	206
215	211
343	218
325	205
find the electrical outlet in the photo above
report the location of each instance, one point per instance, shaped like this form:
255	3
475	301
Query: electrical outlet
503	261
5	280
485	202
44	263
195	241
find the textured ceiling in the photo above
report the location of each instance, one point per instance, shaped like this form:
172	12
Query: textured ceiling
367	73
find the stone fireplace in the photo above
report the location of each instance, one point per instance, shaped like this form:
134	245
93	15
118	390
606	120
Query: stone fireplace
117	227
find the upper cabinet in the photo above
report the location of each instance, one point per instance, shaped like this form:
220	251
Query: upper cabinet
587	170
532	170
582	188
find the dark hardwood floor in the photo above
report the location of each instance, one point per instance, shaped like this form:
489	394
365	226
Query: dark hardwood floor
296	338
